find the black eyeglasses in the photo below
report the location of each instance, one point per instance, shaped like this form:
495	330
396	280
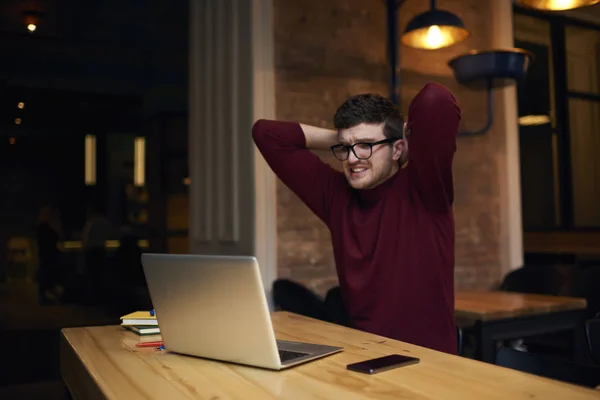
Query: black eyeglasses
362	151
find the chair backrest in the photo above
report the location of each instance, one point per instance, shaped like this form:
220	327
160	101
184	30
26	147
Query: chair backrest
592	330
295	297
549	366
538	279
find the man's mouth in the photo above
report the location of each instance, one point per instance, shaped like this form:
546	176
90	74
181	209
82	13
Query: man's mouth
357	171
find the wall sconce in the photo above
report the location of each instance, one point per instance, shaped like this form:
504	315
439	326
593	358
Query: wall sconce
90	160
32	20
556	5
489	69
534	120
139	162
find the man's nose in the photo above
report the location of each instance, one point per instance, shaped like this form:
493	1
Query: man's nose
352	157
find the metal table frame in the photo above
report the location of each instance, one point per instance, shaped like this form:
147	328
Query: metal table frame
489	333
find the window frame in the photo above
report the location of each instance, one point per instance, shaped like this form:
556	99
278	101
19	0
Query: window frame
562	95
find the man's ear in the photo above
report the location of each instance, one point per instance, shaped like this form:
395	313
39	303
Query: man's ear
399	148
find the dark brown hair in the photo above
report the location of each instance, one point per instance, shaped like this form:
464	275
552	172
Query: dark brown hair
370	109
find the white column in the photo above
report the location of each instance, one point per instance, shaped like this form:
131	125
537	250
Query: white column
231	84
265	228
508	129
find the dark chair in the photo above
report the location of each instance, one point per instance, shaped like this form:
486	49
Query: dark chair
548	366
294	297
536	279
540	279
592	330
459	340
335	308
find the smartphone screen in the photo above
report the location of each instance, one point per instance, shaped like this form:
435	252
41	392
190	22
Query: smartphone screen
380	364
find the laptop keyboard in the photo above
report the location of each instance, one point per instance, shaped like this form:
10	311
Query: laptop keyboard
286	355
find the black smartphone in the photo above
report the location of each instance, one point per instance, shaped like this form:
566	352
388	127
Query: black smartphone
381	364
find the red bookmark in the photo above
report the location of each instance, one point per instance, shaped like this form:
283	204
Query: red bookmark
149	344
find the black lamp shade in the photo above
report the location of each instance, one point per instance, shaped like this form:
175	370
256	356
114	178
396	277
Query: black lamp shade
434	29
556	5
497	67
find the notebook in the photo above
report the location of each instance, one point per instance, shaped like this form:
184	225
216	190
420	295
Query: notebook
143	329
139	318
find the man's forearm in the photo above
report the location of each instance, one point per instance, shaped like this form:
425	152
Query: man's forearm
284	145
319	138
433	121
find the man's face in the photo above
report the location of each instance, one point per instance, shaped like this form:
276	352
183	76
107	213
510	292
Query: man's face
372	171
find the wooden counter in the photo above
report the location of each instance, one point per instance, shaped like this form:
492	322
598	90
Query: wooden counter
103	362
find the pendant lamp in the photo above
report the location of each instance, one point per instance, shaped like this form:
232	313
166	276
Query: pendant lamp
556	5
434	30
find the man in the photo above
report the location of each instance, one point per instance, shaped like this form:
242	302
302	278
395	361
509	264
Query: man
389	212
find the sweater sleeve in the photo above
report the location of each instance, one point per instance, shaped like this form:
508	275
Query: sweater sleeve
283	146
433	120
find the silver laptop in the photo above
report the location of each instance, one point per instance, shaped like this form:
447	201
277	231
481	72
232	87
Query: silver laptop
215	307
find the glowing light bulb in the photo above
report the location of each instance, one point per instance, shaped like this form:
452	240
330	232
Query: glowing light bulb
31	27
561	4
434	37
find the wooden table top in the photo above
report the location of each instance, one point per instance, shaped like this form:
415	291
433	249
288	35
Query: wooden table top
494	305
103	362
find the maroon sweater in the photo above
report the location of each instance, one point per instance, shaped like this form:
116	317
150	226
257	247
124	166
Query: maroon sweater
393	244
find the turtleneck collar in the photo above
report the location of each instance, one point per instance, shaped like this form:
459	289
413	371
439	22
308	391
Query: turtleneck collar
374	195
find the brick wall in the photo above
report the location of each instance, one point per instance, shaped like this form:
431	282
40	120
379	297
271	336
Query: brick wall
326	51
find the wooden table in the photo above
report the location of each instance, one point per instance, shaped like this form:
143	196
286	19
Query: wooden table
497	316
103	362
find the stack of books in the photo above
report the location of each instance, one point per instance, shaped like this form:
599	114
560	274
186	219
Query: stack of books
141	322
